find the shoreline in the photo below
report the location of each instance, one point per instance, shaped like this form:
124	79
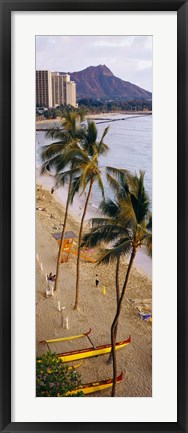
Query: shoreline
60	195
142	261
97	115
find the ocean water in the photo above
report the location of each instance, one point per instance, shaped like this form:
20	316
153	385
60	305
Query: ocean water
130	147
130	143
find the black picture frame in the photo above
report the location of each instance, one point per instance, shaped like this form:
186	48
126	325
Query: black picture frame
6	7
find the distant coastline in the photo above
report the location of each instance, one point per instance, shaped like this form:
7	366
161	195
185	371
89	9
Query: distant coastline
96	116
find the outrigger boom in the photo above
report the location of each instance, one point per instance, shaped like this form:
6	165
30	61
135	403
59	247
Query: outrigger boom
88	352
73	337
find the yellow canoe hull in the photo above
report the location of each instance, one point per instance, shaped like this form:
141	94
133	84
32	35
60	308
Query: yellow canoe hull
91	353
95	386
90	390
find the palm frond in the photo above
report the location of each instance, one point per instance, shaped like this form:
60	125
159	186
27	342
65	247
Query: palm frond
101	146
97	222
127	213
89	140
91	132
104	134
81	112
52	164
114	183
101	186
76	152
112	254
119	173
61	164
103	234
119	181
86	177
91	239
44	168
89	171
104	148
136	183
110	208
69	121
147	241
76	182
64	177
49	151
149	222
140	204
56	134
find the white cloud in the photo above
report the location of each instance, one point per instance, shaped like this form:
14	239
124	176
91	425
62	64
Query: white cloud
128	57
143	64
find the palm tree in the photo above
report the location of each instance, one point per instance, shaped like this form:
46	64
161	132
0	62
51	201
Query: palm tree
78	148
54	156
106	230
129	227
89	140
81	111
88	163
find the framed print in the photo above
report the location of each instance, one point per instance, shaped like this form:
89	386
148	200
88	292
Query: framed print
93	116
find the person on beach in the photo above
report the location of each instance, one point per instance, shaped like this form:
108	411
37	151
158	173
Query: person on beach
51	277
52	190
97	281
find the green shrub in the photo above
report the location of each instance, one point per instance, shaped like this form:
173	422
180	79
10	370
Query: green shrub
54	378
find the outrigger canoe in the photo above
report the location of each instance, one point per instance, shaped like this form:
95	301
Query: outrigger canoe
89	351
88	388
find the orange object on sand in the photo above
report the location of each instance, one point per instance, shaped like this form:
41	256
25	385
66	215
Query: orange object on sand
68	249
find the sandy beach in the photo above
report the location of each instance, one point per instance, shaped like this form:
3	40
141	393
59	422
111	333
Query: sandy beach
96	116
96	309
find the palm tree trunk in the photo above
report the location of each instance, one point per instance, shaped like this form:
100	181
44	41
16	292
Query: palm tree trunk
115	322
79	243
117	280
62	236
117	292
117	300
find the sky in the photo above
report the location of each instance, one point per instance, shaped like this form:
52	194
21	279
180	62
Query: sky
128	57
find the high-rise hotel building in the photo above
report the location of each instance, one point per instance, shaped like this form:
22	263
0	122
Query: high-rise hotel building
44	88
71	93
53	88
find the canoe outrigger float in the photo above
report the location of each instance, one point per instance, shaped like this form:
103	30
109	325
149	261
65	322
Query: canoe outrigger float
88	388
73	367
72	337
88	352
70	367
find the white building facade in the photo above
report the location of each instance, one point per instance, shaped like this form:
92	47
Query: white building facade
71	93
53	89
44	88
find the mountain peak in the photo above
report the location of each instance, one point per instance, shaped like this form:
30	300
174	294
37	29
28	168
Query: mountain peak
99	82
104	69
101	69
